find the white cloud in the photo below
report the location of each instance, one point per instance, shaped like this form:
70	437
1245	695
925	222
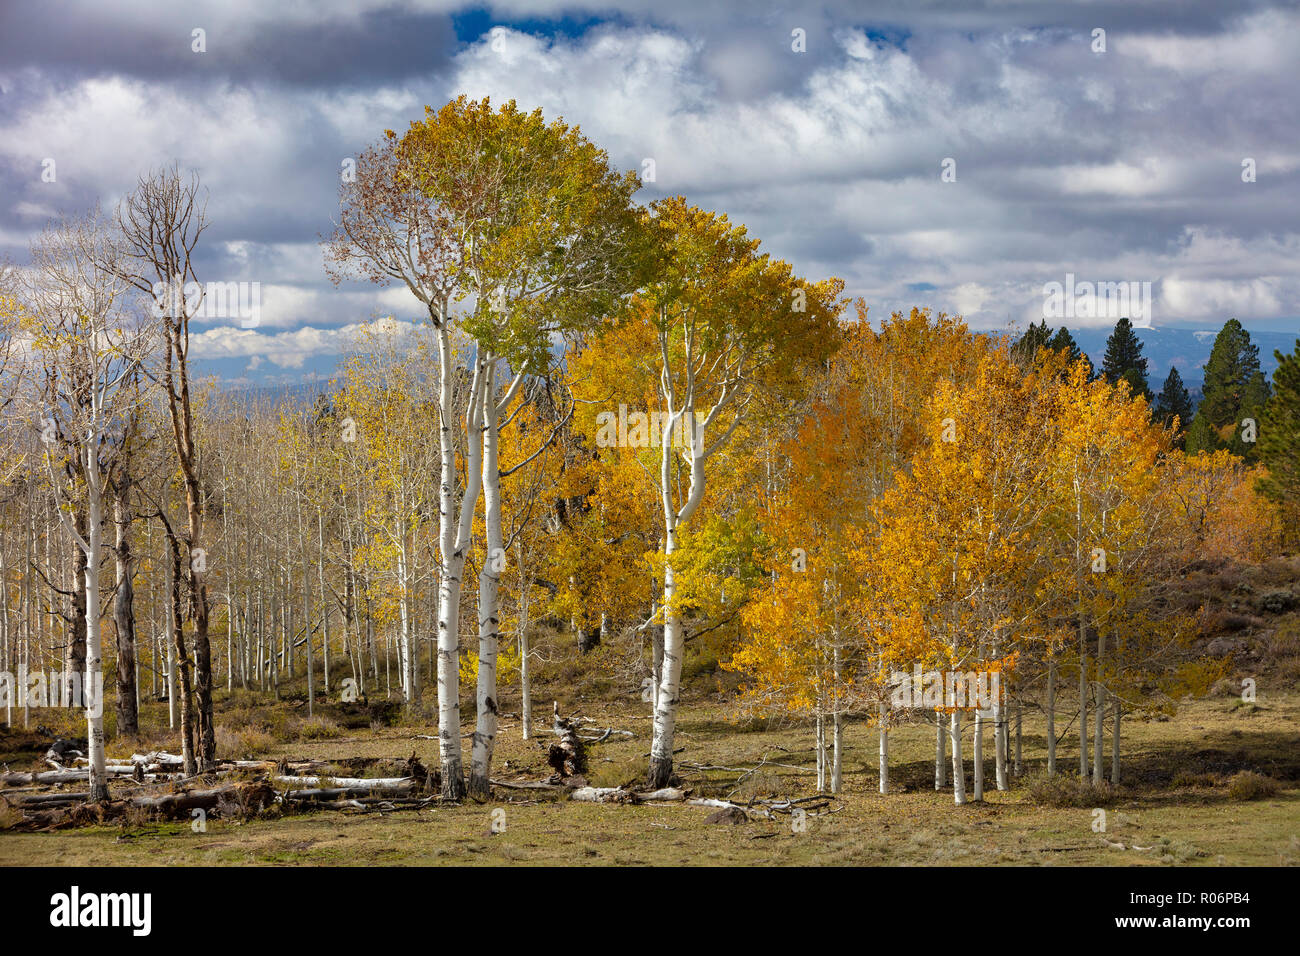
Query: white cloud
1116	167
286	349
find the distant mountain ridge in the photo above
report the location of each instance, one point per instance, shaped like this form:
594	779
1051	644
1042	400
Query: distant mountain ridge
300	393
1187	348
1164	346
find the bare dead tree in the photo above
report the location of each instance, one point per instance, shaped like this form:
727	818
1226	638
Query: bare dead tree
161	221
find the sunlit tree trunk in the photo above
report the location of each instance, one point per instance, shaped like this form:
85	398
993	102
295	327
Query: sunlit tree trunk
1000	740
883	748
958	771
489	579
1051	717
665	720
454	529
940	754
1083	711
93	693
525	687
1019	765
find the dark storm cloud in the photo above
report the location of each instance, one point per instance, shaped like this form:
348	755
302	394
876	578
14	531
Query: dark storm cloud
155	43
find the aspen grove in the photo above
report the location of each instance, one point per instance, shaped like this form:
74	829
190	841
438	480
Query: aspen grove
616	434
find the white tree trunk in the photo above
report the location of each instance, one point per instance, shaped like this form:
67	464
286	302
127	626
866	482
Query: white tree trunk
454	529
525	687
1019	765
324	600
1083	716
958	771
1099	737
820	747
93	691
883	713
665	720
1000	743
1099	730
977	755
1051	718
489	578
940	754
169	631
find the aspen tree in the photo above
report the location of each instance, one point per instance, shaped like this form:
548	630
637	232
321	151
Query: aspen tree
91	348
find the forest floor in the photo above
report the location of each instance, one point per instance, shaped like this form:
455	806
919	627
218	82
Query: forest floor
1177	803
1158	819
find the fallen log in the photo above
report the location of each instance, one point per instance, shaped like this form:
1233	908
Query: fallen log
159	757
727	805
250	797
256	795
54	776
45	799
334	793
529	785
349	783
376	804
620	795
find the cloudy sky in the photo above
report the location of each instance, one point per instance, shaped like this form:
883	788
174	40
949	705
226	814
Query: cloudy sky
1115	164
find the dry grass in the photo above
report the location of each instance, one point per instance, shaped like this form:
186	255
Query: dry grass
1213	784
1174	802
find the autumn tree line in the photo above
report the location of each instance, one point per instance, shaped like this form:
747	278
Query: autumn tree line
623	424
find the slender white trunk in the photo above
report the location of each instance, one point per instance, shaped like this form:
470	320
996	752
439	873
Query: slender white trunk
1051	718
821	755
837	718
1083	714
92	692
665	720
1099	737
883	714
977	755
230	637
169	631
1000	742
1019	765
306	620
489	578
324	599
940	754
525	688
656	649
406	664
1099	734
958	771
454	529
837	752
